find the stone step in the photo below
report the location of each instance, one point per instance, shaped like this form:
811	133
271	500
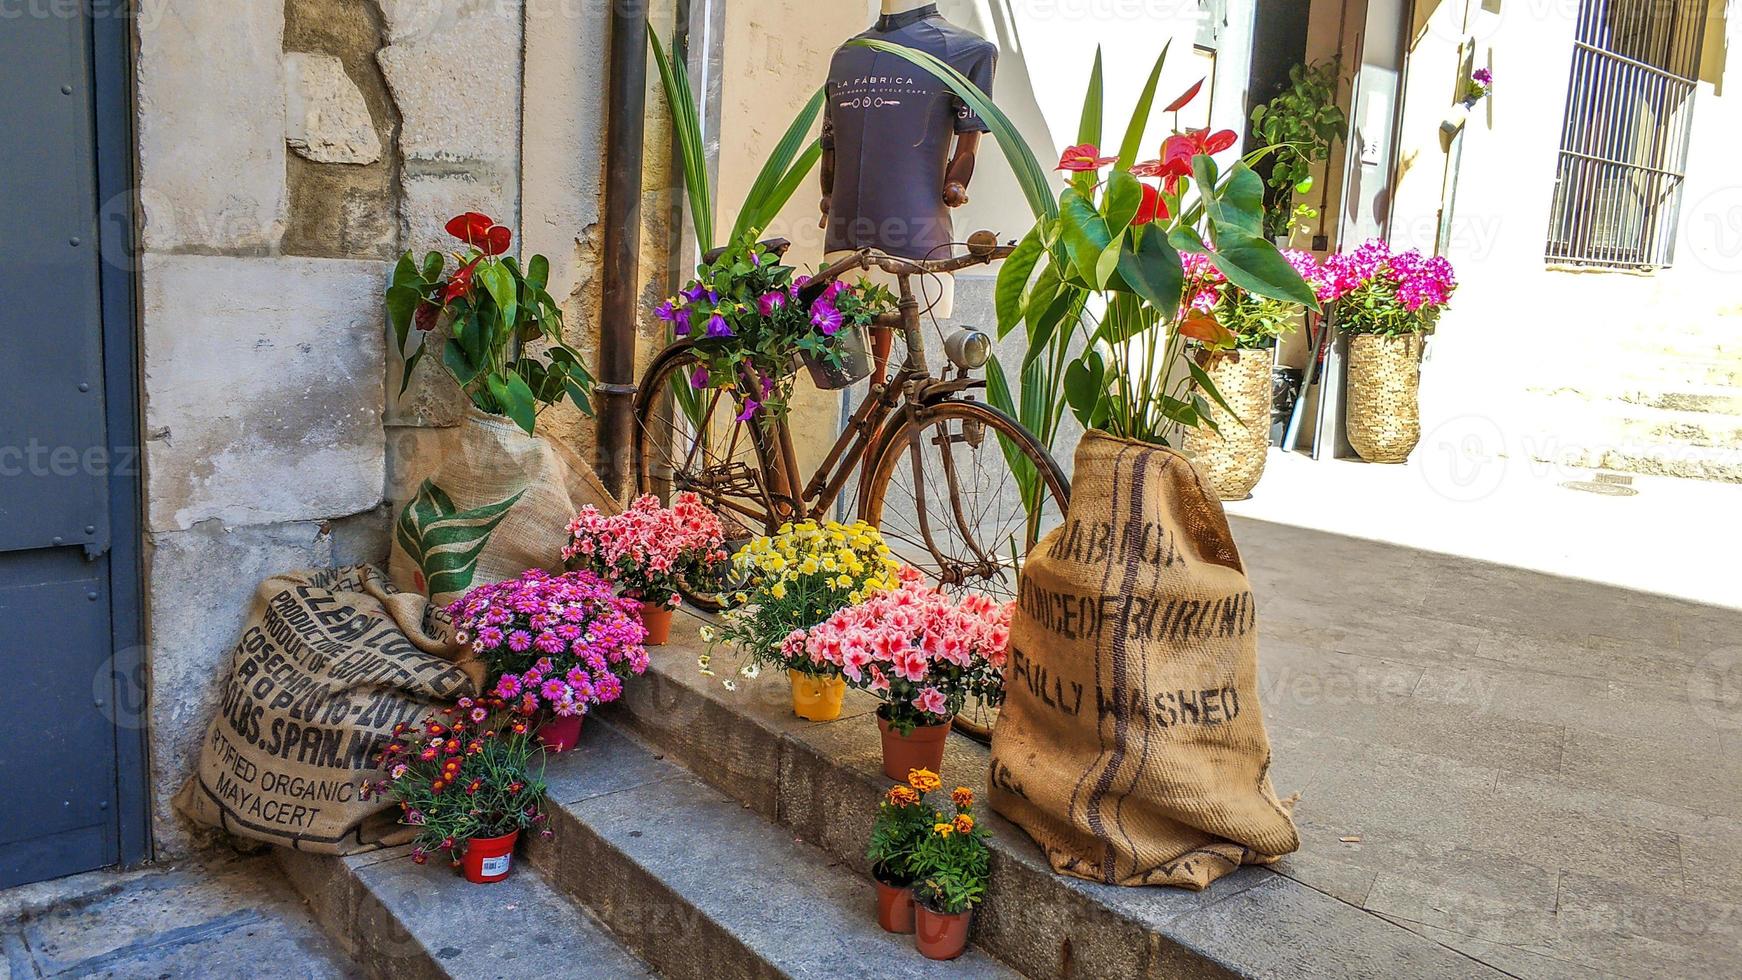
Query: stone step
1610	423
702	887
1716	399
1655	371
822	782
399	920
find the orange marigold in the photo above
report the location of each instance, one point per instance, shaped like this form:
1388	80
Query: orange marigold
902	796
923	780
962	796
943	829
964	823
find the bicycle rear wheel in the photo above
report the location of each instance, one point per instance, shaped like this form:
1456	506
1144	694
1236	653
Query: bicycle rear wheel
689	439
962	491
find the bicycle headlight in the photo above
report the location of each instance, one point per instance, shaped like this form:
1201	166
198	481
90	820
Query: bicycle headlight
968	348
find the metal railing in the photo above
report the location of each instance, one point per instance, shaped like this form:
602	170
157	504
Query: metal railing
1624	137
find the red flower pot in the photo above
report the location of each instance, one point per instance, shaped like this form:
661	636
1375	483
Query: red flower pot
938	936
895	908
489	858
882	341
561	733
657	619
922	749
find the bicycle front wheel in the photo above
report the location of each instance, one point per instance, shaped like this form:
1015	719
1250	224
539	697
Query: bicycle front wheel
962	491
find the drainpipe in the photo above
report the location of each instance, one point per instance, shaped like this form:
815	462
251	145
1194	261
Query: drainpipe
618	310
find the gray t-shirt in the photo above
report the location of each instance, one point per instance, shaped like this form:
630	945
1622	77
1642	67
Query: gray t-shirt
891	125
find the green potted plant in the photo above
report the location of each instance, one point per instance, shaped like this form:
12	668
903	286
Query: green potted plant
951	865
485	313
1300	125
903	820
465	778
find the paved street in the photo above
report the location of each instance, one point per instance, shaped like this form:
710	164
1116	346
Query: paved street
1542	773
223	917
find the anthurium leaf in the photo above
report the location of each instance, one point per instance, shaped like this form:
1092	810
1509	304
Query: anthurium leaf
537	273
1124	198
1085	232
516	399
405	272
402	303
433	263
1013	280
1083	380
1255	265
1187	240
1140	115
1108	263
500	285
1154	272
1238	204
455	359
410	366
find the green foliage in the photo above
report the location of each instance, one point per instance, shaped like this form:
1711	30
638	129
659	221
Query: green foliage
951	863
903	820
484	315
1302	123
1256	322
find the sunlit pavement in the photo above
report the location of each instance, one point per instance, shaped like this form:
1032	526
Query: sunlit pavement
1542	772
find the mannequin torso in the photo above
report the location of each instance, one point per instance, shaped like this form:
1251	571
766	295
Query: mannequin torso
901	131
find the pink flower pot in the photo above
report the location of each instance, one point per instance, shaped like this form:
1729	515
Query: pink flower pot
561	733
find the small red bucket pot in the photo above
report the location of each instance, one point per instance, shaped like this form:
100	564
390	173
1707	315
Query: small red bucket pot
489	858
561	733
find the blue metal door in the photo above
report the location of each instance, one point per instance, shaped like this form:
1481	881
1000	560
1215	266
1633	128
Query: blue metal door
70	758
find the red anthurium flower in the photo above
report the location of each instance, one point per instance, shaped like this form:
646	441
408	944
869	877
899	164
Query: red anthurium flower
461	283
1083	158
481	232
471	227
1185	98
1153	208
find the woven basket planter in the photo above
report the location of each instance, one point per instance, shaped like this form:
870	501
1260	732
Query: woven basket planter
1233	461
1384	414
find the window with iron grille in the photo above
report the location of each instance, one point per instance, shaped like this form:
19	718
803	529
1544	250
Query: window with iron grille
1624	138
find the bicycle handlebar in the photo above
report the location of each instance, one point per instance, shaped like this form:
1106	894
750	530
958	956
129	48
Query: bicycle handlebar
983	249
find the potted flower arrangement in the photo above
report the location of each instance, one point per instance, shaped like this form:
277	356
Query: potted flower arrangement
1232	452
464	778
950	865
922	654
792	581
649	551
484	311
1387	303
903	820
1477	87
749	314
556	645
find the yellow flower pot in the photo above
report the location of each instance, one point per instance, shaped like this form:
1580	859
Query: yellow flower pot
816	698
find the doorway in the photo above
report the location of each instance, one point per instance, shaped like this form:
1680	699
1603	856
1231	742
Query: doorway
71	645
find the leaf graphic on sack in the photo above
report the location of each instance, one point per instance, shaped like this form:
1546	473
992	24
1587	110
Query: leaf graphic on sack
446	543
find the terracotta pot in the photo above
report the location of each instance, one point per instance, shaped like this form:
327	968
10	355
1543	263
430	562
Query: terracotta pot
882	342
939	936
895	908
923	749
1384	415
560	733
657	619
816	698
489	858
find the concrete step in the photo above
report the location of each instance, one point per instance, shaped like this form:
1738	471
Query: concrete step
821	782
704	888
1614	423
401	920
1648	371
1716	399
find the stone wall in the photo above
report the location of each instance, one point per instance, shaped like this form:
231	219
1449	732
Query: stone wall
288	151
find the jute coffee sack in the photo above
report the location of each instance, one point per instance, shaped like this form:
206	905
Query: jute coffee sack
1131	746
493	505
328	663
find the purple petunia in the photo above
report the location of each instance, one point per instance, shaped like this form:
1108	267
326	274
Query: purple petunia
699	377
826	318
718	327
770	302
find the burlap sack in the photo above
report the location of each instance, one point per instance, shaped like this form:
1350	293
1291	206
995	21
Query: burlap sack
494	506
1131	746
328	663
